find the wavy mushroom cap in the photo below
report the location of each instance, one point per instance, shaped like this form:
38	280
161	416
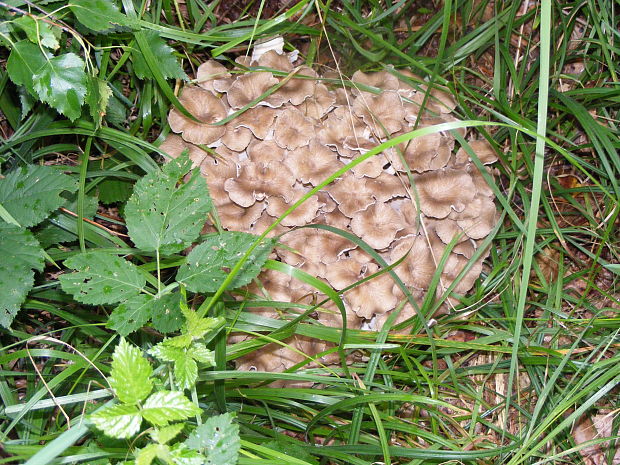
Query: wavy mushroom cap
206	108
237	138
348	204
313	163
380	80
257	181
483	150
265	151
377	225
248	87
210	71
259	120
174	146
382	113
318	104
302	215
375	297
293	129
444	190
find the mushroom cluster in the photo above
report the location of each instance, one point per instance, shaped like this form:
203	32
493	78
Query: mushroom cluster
409	201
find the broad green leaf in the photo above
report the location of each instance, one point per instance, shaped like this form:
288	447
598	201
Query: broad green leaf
199	352
118	421
166	352
39	31
209	263
61	82
164	407
20	253
32	192
24	61
185	372
167	63
218	438
115	112
182	455
160	215
165	434
101	278
166	313
98	15
97	97
131	315
112	191
130	375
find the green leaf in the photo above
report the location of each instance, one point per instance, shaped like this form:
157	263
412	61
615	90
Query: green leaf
112	191
39	31
130	376
146	455
185	372
166	352
24	61
131	315
61	82
118	421
197	327
166	313
165	434
199	352
166	406
180	342
97	97
182	455
51	233
32	192
101	278
166	61
99	15
218	438
161	216
20	253
208	264
614	268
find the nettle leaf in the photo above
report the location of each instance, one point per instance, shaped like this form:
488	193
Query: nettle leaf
160	215
197	327
101	278
20	253
131	315
199	352
118	421
39	31
167	433
166	352
147	454
166	313
32	192
99	15
61	82
209	263
164	54
165	406
97	97
24	61
130	375
185	372
218	438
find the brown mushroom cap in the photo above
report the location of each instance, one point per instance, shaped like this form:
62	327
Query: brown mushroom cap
383	113
312	163
248	87
444	190
478	218
293	129
301	216
210	71
343	273
206	108
236	218
256	181
259	120
380	80
483	150
296	90
377	225
265	151
237	138
318	104
349	204
375	297
273	60
174	146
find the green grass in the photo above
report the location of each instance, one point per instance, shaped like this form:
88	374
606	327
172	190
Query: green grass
541	347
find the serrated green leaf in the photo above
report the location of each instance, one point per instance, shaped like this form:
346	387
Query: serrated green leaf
182	341
182	455
115	112
165	434
99	15
20	253
130	375
218	438
118	421
24	61
61	82
167	63
32	192
146	455
112	191
166	313
101	278
39	31
166	352
185	372
199	352
160	215
131	315
209	263
164	407
97	97
197	327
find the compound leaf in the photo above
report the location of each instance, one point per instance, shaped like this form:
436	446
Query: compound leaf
32	192
218	439
130	375
166	61
61	82
163	217
199	352
20	253
118	421
209	263
101	278
24	61
131	315
98	15
165	406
